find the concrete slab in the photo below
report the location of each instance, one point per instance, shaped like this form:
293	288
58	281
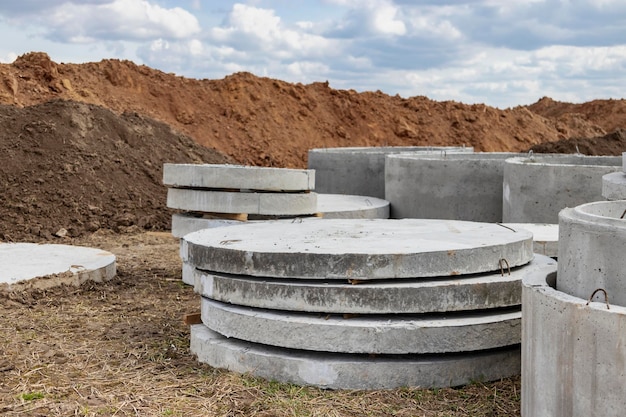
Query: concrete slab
455	186
383	334
592	244
536	188
45	266
357	249
573	356
545	237
271	204
329	206
614	186
344	371
361	171
474	292
238	177
339	206
624	161
185	223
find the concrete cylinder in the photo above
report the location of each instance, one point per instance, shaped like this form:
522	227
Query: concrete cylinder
451	186
536	188
592	245
361	171
573	355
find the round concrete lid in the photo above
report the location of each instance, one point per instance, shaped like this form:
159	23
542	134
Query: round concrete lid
59	264
238	176
379	334
358	249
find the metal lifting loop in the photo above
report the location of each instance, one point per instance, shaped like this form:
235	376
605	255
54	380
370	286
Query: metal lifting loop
606	297
502	268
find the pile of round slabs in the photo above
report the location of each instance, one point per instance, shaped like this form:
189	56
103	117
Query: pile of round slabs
361	304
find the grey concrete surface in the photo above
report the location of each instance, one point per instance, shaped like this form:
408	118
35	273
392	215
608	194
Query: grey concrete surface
339	206
573	356
185	223
357	249
545	237
271	204
537	188
385	334
592	245
474	292
329	206
237	177
361	171
344	371
624	161
46	266
614	186
454	186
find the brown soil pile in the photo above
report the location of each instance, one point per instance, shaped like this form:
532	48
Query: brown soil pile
261	121
79	152
79	167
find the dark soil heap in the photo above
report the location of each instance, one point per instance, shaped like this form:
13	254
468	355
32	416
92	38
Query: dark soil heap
79	167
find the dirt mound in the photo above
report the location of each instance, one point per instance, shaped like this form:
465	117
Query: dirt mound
67	168
611	144
261	121
72	167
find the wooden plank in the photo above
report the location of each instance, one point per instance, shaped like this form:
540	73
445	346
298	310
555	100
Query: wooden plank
242	217
193	318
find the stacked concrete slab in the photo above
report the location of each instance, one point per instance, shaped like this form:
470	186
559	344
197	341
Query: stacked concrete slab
361	171
537	187
614	184
574	355
240	190
329	206
451	186
361	304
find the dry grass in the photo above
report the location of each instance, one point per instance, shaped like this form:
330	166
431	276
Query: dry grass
121	349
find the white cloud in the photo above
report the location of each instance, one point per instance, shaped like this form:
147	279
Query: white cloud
86	22
261	32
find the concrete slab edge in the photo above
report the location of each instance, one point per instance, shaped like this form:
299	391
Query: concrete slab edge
341	371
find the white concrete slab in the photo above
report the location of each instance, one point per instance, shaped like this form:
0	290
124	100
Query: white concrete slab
269	204
473	292
384	334
344	371
44	266
357	249
340	206
545	237
238	177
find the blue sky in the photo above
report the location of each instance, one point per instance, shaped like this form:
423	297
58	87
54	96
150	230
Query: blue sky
499	52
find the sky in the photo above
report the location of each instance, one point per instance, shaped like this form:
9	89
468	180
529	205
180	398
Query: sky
502	53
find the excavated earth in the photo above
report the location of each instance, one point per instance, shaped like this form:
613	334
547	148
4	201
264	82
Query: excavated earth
82	145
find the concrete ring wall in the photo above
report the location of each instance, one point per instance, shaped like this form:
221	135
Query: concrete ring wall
361	171
536	188
454	186
592	245
614	186
573	355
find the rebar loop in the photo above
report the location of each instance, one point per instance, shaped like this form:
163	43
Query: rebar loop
502	268
606	297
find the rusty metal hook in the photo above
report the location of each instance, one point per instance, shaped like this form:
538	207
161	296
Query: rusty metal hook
606	297
502	268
